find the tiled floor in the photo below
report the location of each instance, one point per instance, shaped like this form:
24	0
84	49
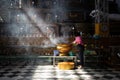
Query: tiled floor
41	70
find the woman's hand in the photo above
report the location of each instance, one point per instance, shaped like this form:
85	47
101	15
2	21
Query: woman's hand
74	43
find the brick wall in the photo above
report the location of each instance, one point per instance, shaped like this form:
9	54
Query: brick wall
24	45
33	45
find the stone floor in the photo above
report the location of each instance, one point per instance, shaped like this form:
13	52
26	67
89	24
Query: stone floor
42	70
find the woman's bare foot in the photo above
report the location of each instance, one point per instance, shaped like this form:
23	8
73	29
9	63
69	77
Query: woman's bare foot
80	66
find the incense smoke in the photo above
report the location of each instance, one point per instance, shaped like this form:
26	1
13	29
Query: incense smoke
26	21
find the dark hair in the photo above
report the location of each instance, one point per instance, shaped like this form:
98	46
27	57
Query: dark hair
77	34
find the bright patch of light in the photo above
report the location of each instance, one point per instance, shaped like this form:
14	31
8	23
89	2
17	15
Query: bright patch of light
86	77
84	74
56	16
32	2
73	28
18	15
47	28
48	71
72	76
1	20
11	4
45	72
21	28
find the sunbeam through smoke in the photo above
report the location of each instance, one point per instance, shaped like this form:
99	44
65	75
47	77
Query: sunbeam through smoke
26	20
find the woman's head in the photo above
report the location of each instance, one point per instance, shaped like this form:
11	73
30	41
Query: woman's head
77	34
